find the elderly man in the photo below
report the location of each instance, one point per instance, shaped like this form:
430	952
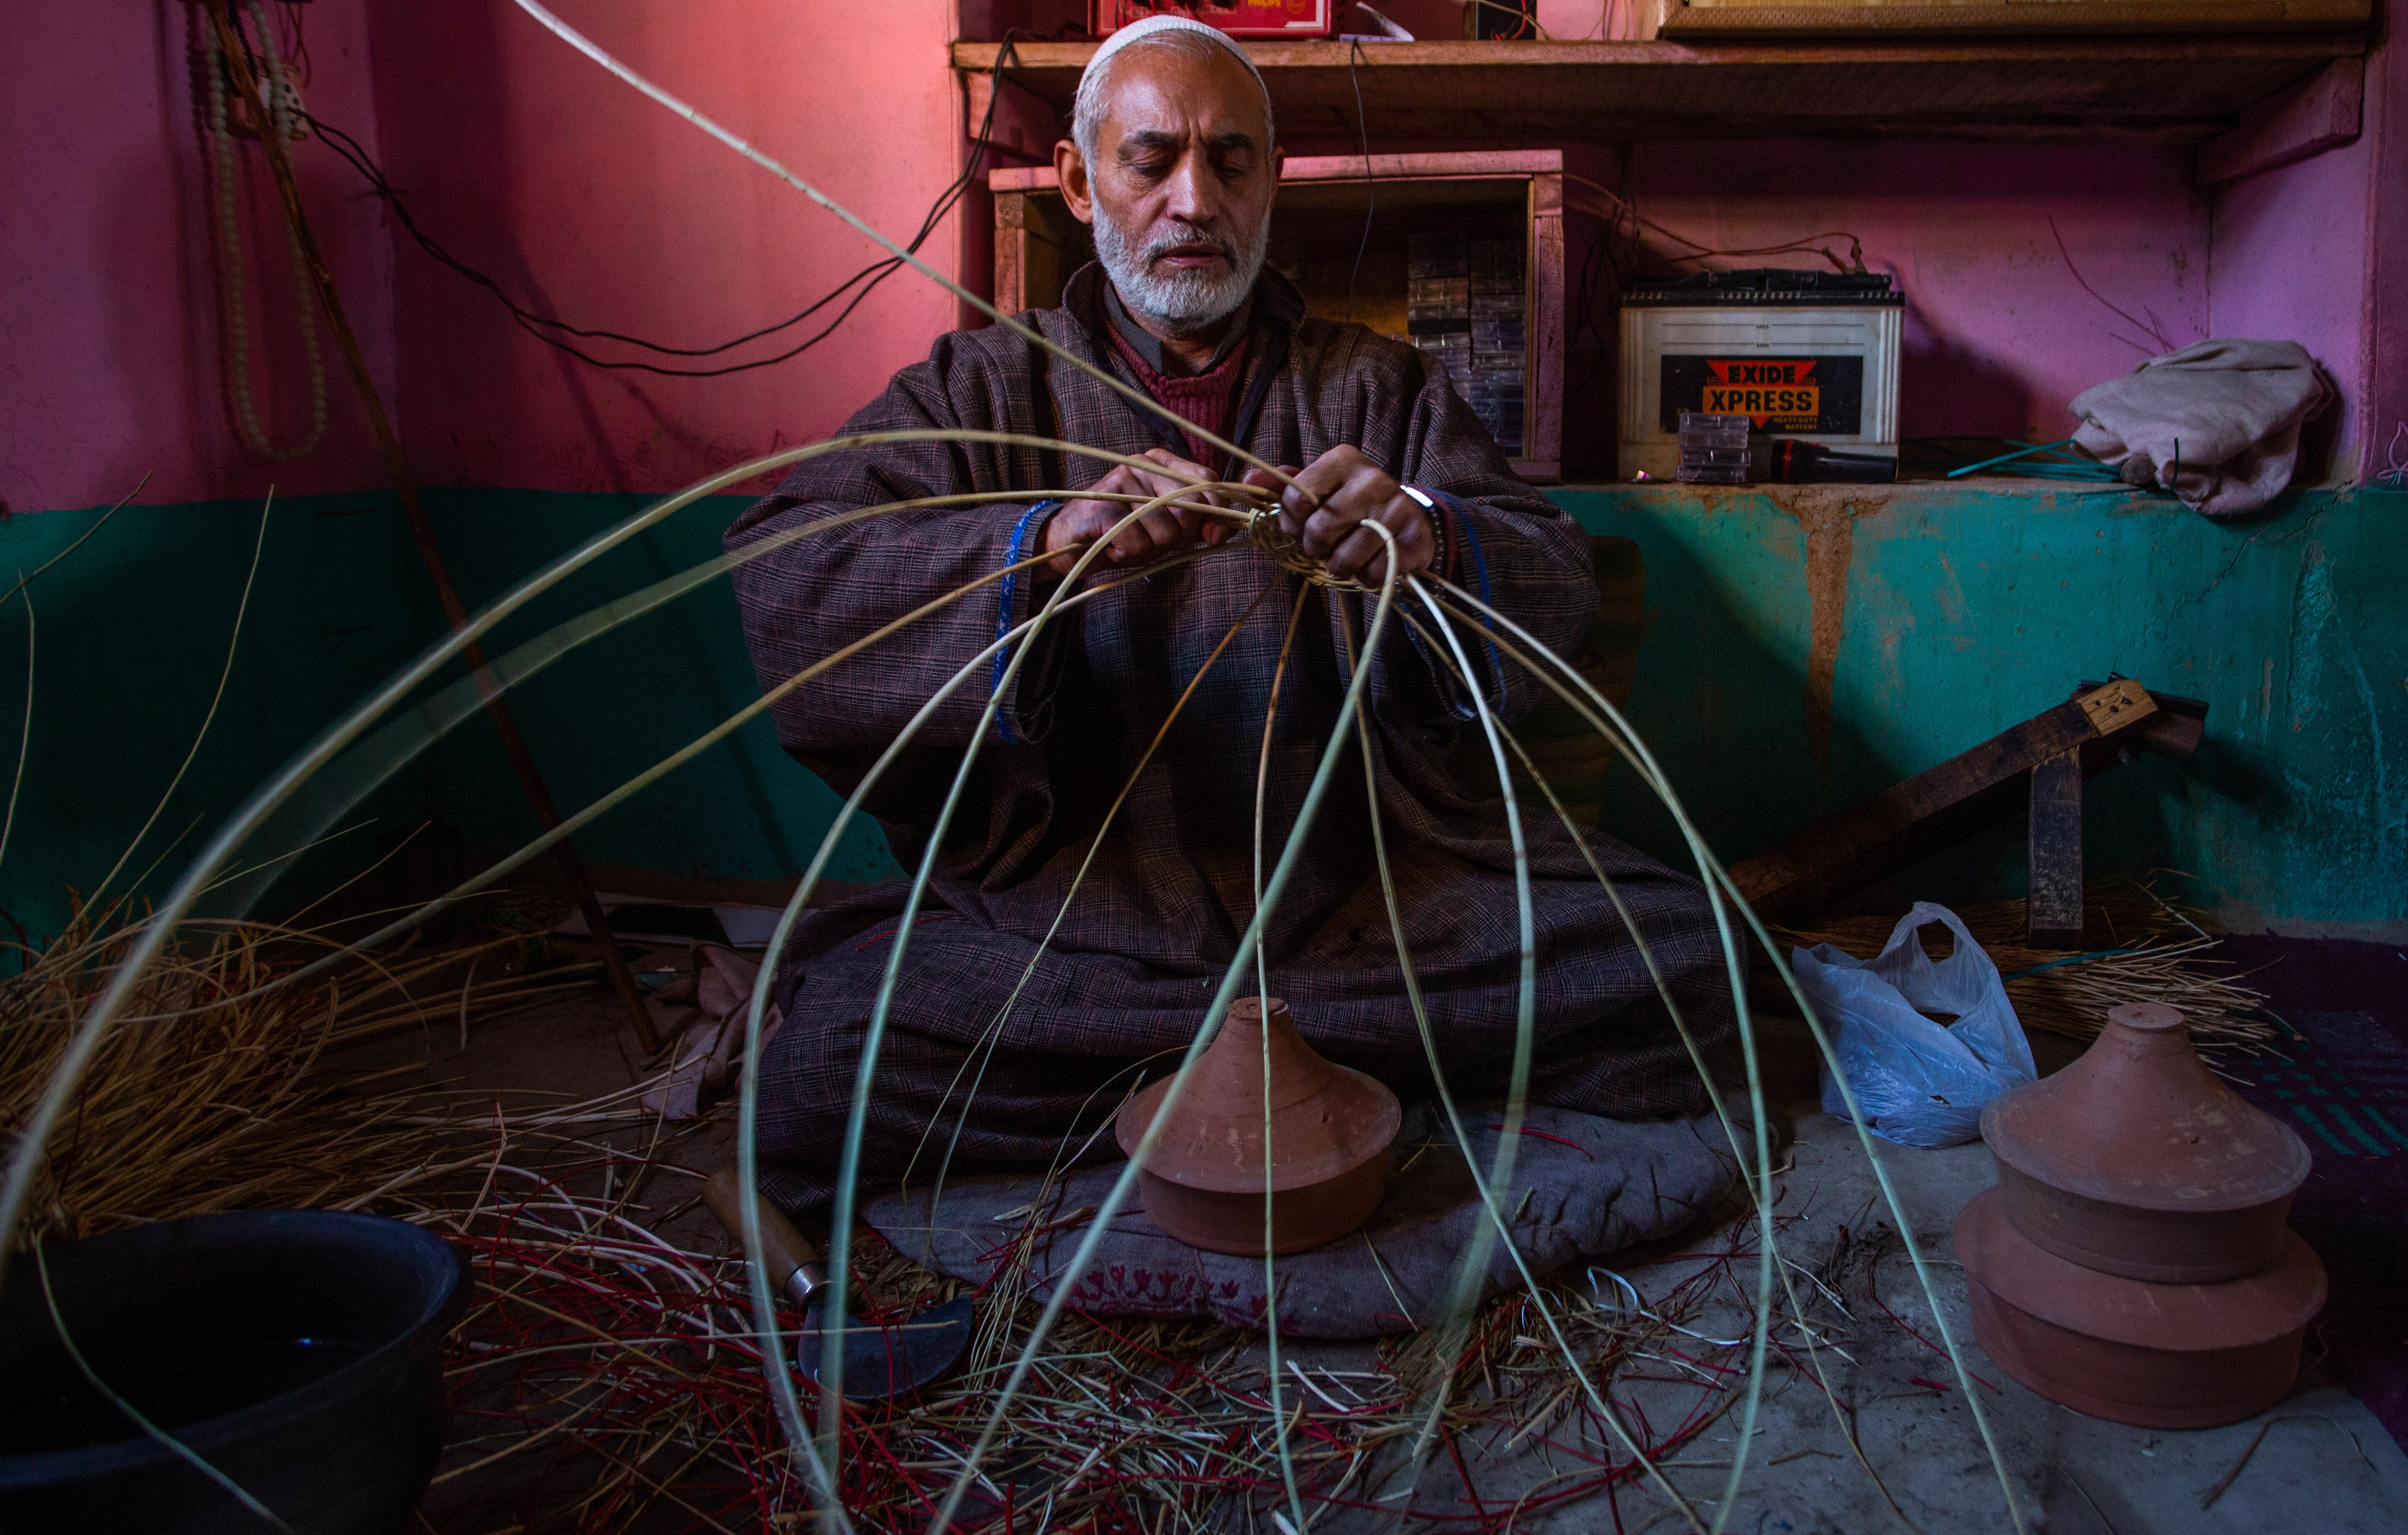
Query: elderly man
1172	162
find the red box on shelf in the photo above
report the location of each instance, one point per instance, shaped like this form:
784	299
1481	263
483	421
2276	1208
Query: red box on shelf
1238	18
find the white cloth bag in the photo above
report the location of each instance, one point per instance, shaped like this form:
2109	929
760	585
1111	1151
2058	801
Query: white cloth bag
1918	1082
2217	422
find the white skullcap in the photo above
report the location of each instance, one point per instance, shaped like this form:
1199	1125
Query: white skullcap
1154	26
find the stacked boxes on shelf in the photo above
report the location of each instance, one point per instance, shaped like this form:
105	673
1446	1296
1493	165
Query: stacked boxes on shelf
1438	303
1714	449
1499	306
1467	303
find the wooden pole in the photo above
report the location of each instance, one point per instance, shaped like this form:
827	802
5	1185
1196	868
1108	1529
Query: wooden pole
2052	893
623	981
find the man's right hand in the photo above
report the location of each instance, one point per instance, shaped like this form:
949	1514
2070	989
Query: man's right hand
1158	535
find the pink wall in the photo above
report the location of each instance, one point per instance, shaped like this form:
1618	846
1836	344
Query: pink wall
592	203
2262	287
2318	252
2387	122
584	200
109	351
1999	335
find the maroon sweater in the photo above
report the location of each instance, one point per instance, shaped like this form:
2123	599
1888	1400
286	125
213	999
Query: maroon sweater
1205	401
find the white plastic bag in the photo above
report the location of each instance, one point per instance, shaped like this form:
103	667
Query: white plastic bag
1918	1084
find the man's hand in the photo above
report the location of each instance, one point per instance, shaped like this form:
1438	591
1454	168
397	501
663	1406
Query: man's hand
1352	491
1158	535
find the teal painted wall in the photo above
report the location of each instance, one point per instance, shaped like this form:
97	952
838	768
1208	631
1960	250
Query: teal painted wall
131	628
745	810
1946	613
1949	613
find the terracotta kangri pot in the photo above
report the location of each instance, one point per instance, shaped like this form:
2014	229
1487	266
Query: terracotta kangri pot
2157	1355
1330	1128
2136	1161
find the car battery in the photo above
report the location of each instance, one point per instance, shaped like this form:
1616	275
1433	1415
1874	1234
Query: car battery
1806	354
1238	18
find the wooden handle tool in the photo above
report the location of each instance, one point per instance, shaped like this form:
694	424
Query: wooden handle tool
881	1360
794	1263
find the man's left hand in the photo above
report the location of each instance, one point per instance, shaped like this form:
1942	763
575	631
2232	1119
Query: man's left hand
1351	491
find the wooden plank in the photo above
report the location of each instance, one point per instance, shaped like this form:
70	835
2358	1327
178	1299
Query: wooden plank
1543	387
1011	252
2174	731
1025	123
2309	119
2165	734
1485	165
1032	246
2053	904
1910	820
2116	704
1855	846
1456	93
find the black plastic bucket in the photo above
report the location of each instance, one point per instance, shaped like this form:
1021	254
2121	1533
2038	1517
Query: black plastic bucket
299	1351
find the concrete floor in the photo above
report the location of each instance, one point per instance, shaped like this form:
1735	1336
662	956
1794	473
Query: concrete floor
2325	1465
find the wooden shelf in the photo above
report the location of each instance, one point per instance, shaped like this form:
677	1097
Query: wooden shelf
2006	494
1349	260
1497	94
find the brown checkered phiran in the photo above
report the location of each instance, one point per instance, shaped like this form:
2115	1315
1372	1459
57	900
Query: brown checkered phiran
1123	986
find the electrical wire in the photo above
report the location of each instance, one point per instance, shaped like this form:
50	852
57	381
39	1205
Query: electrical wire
2154	331
1600	254
282	107
1625	221
1524	28
1371	191
551	330
297	42
1624	208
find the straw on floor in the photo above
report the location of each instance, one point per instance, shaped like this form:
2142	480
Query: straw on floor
214	1095
623	1373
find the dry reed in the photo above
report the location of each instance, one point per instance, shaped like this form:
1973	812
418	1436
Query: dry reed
624	1370
214	1093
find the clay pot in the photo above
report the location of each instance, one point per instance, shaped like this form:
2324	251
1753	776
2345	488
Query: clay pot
1330	1132
2157	1355
2135	1160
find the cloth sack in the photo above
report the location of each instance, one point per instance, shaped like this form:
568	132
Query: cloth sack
1582	1187
709	1005
2217	424
1918	1082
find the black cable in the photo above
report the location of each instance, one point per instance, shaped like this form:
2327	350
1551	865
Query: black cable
1370	189
1600	256
543	328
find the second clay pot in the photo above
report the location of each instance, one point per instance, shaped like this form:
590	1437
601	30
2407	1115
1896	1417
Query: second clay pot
2137	1161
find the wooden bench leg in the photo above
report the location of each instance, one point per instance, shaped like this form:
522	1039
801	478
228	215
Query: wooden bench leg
2053	908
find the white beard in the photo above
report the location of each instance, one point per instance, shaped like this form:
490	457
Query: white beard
1186	299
